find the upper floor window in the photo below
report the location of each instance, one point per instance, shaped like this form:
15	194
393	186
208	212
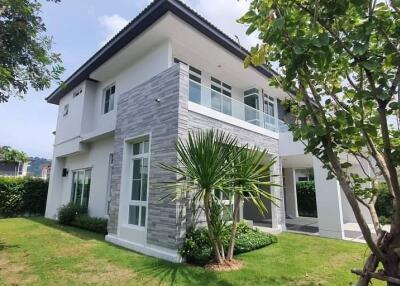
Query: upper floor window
77	92
269	105
194	82
108	99
65	110
218	102
221	87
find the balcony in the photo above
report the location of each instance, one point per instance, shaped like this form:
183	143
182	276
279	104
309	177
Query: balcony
209	98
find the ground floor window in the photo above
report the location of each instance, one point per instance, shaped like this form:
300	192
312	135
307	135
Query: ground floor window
139	170
81	186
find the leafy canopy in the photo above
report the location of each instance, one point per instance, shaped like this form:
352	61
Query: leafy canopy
26	58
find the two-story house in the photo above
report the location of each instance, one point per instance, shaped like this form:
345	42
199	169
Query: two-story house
167	72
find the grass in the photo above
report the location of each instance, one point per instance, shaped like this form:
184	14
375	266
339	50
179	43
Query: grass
40	252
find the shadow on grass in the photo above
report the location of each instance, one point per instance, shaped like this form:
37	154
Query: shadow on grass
77	232
4	246
159	272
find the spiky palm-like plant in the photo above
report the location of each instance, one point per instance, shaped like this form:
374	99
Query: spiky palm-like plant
250	172
203	167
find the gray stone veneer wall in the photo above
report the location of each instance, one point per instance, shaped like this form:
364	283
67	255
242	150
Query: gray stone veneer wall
253	139
138	113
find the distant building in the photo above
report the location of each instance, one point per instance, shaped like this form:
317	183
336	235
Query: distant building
13	169
46	168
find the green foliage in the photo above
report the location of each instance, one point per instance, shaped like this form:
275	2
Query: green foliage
76	215
306	200
94	224
211	162
25	55
22	196
384	205
339	61
68	213
9	154
250	172
197	248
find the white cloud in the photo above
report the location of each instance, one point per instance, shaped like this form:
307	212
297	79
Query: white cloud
111	24
223	14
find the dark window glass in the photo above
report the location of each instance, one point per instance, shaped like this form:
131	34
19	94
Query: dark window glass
143	217
194	92
133	215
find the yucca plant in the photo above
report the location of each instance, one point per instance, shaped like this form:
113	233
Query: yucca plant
203	167
211	162
250	172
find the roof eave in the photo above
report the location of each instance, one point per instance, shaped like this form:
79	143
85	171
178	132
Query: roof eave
139	24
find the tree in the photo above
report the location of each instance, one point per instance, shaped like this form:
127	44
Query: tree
249	174
26	59
7	154
340	63
207	166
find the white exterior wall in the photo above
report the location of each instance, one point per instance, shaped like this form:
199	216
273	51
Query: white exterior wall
329	203
153	63
85	121
290	192
97	158
68	126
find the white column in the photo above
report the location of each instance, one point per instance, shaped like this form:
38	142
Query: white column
290	192
55	190
329	206
278	212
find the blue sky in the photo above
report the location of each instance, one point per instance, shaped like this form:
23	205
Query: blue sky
79	28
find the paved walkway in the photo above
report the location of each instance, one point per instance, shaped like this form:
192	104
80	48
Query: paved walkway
309	225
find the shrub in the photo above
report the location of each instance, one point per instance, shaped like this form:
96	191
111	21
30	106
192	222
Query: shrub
383	205
248	239
197	248
68	213
76	215
22	196
306	201
94	224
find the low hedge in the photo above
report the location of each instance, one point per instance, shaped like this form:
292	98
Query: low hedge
306	200
94	224
197	249
76	215
22	196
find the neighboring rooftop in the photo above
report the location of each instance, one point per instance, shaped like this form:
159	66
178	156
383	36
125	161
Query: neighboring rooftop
139	24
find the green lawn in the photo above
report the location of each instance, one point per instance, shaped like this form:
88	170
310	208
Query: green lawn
40	252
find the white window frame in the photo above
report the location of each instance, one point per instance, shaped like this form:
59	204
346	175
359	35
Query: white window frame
269	100
140	203
77	92
66	110
112	98
73	192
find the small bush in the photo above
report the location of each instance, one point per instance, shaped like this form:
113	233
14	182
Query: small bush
248	239
20	196
306	200
76	215
197	248
383	205
68	213
94	224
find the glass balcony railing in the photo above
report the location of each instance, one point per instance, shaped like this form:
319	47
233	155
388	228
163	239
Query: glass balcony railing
207	97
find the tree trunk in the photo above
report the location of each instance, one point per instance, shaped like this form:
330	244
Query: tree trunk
217	252
235	218
374	216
